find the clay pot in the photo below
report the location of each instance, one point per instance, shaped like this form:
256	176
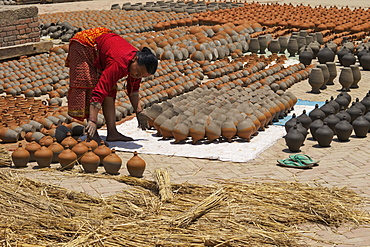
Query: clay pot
332	72
90	161
304	119
32	147
366	102
305	57
213	131
102	151
294	139
90	143
346	78
80	149
283	41
47	140
348	59
315	125
67	158
69	140
354	112
290	123
326	74
8	135
43	156
365	61
245	129
56	148
343	129
197	132
292	46
316	80
136	166
228	130
325	55
361	126
112	162
324	135
342	101
20	156
356	75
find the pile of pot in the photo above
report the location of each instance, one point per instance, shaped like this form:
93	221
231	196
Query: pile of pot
207	115
59	30
35	76
337	117
121	22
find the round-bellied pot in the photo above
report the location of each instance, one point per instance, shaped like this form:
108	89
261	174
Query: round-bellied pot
136	166
90	161
67	158
112	163
324	135
361	126
43	156
343	130
20	156
294	139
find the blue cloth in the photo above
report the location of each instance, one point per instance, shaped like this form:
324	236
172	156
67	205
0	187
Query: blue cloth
298	109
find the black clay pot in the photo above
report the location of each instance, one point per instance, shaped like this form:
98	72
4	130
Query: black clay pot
348	59
343	129
294	139
366	102
316	112
361	126
324	135
315	125
327	108
343	51
325	55
365	61
290	123
342	101
354	112
331	121
305	57
304	119
334	104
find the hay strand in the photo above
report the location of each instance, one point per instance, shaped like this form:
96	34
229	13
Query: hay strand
162	178
5	158
211	202
253	214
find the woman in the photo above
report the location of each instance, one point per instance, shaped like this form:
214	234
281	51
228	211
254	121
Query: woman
97	59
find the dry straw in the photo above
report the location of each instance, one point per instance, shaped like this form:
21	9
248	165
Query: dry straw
253	214
5	158
162	178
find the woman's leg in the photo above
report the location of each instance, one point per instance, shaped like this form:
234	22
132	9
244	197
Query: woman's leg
110	118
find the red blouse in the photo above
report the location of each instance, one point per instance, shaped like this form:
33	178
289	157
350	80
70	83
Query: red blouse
115	55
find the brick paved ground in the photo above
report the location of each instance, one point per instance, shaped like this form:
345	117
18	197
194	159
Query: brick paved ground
342	164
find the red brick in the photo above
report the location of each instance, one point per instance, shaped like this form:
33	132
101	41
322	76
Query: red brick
33	24
10	38
34	35
17	42
8	28
10	43
28	30
22	31
21	26
24	36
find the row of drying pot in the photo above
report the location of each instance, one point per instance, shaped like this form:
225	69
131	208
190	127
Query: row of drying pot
70	152
178	6
120	22
58	30
36	75
333	118
226	114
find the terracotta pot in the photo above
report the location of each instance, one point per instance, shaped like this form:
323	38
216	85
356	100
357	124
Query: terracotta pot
102	151
32	147
8	135
90	143
112	163
56	148
69	140
20	156
80	149
43	156
67	158
90	161
136	166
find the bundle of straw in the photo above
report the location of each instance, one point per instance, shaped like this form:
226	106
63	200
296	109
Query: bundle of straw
5	158
162	178
211	202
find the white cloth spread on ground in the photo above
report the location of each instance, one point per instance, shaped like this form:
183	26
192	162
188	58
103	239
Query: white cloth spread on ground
237	151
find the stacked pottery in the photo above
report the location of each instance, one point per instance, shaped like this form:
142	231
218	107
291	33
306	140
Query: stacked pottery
90	161
294	139
112	163
20	156
136	166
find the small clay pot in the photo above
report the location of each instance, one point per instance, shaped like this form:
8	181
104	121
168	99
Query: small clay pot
136	166
112	163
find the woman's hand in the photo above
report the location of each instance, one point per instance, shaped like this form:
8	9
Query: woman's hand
90	129
142	120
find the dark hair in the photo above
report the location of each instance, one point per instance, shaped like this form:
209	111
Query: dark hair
147	58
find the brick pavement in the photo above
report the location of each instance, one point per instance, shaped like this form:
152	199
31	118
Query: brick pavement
342	164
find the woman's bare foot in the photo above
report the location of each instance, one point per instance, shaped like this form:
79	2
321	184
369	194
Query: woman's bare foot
118	137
